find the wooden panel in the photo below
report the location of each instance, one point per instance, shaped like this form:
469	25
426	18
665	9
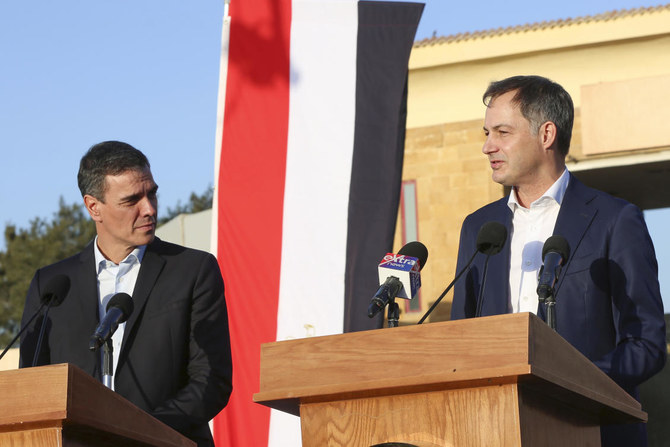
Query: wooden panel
542	418
486	416
477	352
46	437
30	402
625	115
455	349
62	395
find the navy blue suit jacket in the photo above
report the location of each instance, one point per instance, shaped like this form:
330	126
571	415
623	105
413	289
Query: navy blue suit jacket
175	360
608	303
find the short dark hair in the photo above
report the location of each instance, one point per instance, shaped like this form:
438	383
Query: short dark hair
540	100
107	158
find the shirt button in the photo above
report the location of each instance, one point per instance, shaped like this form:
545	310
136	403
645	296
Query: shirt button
528	262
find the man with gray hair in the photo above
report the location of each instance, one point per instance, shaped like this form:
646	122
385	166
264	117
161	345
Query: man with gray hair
608	303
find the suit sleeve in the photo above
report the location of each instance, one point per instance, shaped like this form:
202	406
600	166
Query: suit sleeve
637	307
209	367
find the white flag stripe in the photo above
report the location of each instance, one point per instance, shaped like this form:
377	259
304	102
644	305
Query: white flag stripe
319	154
320	146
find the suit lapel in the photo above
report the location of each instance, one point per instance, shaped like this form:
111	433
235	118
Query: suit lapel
497	280
85	276
575	217
150	269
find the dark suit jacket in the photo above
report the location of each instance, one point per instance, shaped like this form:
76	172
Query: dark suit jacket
608	303
175	360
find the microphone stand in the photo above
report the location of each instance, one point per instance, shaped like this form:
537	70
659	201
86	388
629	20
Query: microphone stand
551	312
393	313
480	299
38	348
549	304
23	329
107	363
437	301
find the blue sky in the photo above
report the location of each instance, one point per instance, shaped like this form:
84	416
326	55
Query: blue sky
76	72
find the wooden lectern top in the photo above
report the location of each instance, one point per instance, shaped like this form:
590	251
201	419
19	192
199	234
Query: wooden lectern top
64	397
503	349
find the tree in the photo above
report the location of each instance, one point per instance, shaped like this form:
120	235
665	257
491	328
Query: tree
196	203
43	243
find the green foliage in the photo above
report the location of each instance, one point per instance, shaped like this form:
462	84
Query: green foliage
196	203
43	243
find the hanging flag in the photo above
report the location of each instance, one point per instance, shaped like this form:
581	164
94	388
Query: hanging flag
313	108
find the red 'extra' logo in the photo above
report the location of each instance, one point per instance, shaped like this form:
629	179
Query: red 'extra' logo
399	259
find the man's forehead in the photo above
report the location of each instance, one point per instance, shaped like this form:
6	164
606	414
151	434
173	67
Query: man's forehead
503	111
130	178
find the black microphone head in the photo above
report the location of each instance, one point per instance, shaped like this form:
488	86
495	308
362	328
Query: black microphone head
491	238
56	290
417	250
557	244
124	302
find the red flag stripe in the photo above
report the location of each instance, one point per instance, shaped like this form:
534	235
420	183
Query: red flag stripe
250	200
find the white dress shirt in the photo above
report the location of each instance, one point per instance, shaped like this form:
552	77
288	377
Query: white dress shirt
113	279
530	229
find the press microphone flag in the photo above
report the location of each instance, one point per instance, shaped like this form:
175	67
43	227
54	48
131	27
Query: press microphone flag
406	269
399	275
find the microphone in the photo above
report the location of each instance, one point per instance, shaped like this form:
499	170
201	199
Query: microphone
53	295
402	276
119	309
554	254
490	240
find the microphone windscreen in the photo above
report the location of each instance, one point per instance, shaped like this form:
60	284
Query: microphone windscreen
491	238
557	244
124	302
56	290
417	250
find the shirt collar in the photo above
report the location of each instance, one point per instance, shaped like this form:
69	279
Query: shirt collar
555	193
134	256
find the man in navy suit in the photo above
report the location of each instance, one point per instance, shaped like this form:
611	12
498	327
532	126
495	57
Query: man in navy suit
172	357
608	303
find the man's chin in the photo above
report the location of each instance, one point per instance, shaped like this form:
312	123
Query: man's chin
146	238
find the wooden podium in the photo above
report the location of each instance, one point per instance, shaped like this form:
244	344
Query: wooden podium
60	405
507	380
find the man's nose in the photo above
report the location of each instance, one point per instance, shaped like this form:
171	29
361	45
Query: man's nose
488	146
148	207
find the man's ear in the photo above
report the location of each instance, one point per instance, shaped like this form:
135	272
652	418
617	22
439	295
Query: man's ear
548	134
93	207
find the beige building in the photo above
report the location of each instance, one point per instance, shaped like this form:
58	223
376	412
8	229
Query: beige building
615	65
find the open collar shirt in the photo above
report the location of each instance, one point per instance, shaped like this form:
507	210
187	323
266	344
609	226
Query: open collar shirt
530	229
112	279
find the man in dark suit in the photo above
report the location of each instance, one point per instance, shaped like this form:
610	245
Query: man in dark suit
172	356
608	303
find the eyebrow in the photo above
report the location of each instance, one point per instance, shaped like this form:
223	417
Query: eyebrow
139	195
497	126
